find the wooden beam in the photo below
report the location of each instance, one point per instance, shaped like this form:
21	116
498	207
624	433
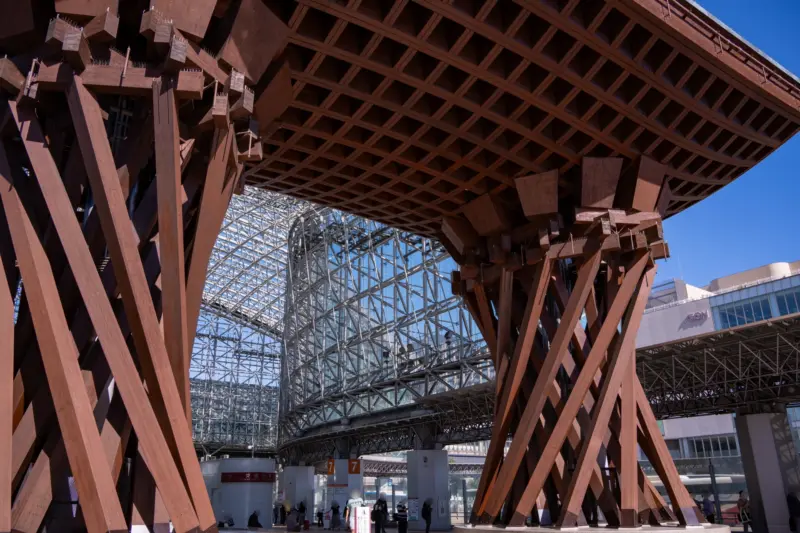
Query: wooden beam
213	204
616	369
143	418
275	97
558	348
629	452
189	16
11	79
6	396
640	185
599	178
86	8
487	215
102	28
504	313
538	193
580	388
170	235
656	450
256	37
123	247
76	50
119	79
82	439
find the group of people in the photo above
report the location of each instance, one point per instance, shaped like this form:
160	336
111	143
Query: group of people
293	517
742	510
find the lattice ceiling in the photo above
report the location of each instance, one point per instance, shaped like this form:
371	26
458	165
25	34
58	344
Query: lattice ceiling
404	111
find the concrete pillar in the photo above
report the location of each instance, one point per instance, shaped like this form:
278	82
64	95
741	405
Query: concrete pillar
770	466
298	486
345	486
429	479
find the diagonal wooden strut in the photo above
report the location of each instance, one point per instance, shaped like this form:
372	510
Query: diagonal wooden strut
558	349
93	478
123	247
580	388
615	372
104	321
170	235
6	392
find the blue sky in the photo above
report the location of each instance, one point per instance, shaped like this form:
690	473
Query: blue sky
756	219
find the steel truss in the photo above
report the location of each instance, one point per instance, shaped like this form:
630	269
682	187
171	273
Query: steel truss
370	326
749	367
235	367
234	378
450	419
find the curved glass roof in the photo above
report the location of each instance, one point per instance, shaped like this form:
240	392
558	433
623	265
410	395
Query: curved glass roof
247	271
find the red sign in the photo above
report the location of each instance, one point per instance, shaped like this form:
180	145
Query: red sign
248	477
331	467
354	466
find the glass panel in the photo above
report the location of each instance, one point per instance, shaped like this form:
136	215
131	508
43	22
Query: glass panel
782	304
734	445
748	313
715	451
791	303
766	309
757	314
723	319
725	450
739	309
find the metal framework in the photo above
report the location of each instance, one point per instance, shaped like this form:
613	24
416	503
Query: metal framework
235	365
234	379
370	325
748	367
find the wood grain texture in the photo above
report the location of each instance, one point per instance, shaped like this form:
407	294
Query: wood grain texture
124	250
6	395
103	318
170	235
82	439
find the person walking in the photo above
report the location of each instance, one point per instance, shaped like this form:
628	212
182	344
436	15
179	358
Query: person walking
427	515
743	505
275	515
320	523
401	517
708	509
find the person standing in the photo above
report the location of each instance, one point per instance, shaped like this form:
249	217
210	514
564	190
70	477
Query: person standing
427	515
401	517
275	515
708	509
743	504
320	523
336	520
383	513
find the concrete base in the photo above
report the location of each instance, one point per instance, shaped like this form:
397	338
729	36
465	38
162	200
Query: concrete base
707	528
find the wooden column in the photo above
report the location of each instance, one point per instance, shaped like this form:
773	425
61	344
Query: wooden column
589	253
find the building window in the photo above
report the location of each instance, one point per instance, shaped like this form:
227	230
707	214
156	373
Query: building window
744	312
713	446
788	301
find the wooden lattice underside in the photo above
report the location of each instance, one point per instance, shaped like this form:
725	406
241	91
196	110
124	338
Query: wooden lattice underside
403	111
